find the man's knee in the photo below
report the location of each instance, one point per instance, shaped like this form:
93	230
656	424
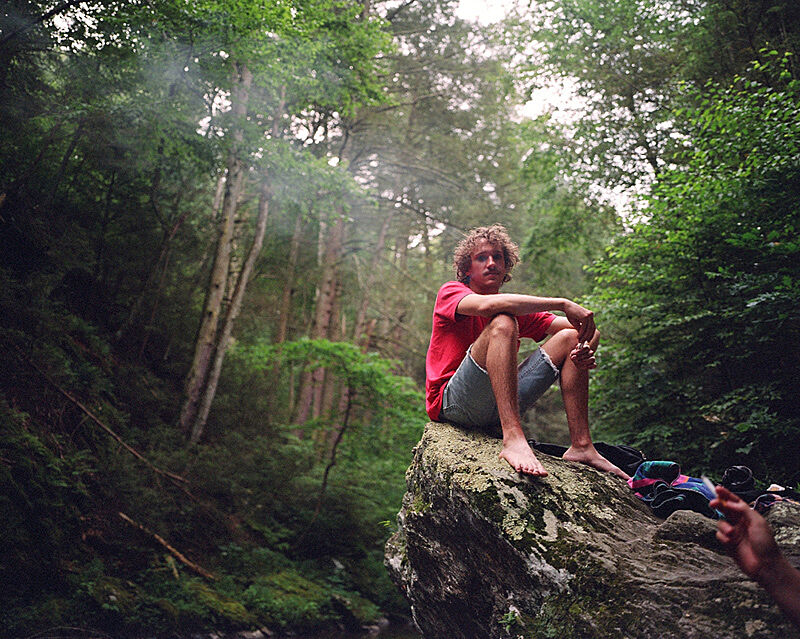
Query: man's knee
560	344
568	336
503	325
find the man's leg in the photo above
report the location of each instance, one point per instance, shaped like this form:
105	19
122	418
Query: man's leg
495	351
575	392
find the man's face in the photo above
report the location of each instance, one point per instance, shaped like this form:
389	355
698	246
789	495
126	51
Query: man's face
488	268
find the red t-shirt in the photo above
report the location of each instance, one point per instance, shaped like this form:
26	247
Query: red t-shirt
452	335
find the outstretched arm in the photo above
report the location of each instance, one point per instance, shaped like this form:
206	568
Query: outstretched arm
747	536
582	319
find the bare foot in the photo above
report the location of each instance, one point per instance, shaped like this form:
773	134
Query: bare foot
591	457
519	454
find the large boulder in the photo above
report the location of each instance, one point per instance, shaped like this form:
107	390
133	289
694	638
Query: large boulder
481	551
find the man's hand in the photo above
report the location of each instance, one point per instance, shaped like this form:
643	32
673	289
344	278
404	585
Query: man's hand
746	536
582	319
583	356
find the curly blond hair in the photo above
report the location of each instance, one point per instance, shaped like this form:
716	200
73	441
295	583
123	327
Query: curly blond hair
496	235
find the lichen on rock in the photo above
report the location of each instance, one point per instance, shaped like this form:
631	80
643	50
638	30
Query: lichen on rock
483	552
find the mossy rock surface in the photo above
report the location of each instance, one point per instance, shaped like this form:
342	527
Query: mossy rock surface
481	551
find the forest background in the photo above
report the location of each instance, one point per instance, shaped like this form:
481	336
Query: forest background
222	227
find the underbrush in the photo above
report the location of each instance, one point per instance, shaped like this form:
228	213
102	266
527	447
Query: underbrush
109	521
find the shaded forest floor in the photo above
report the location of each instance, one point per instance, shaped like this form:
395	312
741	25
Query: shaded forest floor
111	522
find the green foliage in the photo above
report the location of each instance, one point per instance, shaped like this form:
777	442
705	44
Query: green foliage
368	375
41	498
624	60
74	562
627	62
289	599
115	131
701	298
568	230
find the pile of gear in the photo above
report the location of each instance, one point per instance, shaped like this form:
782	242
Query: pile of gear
662	486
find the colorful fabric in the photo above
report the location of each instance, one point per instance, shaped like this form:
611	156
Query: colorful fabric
650	472
665	500
662	486
766	500
453	334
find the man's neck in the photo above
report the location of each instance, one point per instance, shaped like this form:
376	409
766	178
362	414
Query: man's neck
486	291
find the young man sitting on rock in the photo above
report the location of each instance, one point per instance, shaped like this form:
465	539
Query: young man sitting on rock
472	377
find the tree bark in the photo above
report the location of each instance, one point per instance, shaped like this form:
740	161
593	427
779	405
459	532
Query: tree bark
361	318
207	333
311	392
363	328
286	299
233	312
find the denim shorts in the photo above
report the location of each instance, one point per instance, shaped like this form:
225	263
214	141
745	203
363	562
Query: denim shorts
468	398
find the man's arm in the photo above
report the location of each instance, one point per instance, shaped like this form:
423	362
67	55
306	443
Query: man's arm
580	318
748	538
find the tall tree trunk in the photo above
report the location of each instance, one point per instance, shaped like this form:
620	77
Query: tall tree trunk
363	328
332	388
286	299
206	337
233	312
310	394
372	271
275	375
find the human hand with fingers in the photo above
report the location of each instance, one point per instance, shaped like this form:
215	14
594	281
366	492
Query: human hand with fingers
582	319
747	536
583	356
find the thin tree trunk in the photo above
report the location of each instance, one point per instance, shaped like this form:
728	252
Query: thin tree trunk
233	312
273	378
426	244
286	298
364	329
361	318
310	394
154	308
332	389
207	334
